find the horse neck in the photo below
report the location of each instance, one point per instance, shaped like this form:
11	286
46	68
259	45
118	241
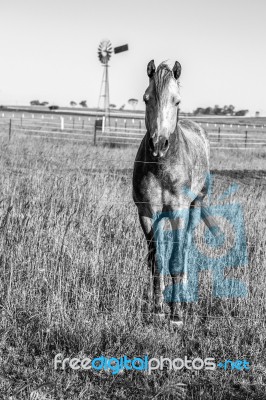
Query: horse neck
145	145
175	136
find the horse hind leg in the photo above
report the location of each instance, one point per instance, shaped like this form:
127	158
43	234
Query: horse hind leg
205	214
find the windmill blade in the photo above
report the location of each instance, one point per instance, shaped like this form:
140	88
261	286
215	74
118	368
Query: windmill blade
105	51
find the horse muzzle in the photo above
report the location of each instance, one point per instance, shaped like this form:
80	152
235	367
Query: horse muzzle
158	147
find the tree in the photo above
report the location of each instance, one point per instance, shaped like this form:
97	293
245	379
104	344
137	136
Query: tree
198	111
225	110
241	113
73	103
44	103
208	111
231	109
83	103
35	103
122	107
217	110
112	105
133	103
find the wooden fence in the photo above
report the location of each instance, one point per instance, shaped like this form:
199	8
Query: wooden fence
122	131
222	135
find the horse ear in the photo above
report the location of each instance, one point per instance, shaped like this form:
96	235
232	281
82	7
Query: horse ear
151	69
177	70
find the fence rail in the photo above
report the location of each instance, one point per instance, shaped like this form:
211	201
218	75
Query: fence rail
121	131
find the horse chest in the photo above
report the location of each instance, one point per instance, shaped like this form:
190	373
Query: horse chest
164	187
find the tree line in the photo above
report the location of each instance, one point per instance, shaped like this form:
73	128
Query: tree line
133	103
83	103
216	110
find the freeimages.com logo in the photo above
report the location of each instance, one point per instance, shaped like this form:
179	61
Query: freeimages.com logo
227	249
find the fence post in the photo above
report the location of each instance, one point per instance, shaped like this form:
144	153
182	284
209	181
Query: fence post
100	124
219	134
62	123
21	122
94	136
246	138
73	123
10	127
83	124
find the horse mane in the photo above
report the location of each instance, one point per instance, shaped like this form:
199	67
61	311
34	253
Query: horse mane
162	76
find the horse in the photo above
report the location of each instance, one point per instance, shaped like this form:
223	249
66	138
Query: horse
169	184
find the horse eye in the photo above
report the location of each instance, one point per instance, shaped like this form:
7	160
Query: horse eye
175	101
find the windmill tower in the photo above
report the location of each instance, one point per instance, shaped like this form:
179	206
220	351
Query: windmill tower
104	54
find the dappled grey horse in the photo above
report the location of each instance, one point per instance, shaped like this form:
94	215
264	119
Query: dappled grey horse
169	183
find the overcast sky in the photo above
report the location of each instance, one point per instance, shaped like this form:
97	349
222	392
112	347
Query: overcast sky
49	50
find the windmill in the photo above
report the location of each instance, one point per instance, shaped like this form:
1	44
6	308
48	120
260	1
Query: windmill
104	54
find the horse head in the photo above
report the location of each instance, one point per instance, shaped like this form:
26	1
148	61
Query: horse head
162	99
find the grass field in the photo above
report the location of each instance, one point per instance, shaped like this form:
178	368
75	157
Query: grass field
73	275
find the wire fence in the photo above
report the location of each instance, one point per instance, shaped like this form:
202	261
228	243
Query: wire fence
223	135
194	315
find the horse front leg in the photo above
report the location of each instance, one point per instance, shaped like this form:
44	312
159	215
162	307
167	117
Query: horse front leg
158	279
178	263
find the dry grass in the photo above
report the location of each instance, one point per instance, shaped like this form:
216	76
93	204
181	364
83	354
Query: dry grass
73	277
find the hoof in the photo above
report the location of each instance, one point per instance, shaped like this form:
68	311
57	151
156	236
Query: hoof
160	317
176	325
